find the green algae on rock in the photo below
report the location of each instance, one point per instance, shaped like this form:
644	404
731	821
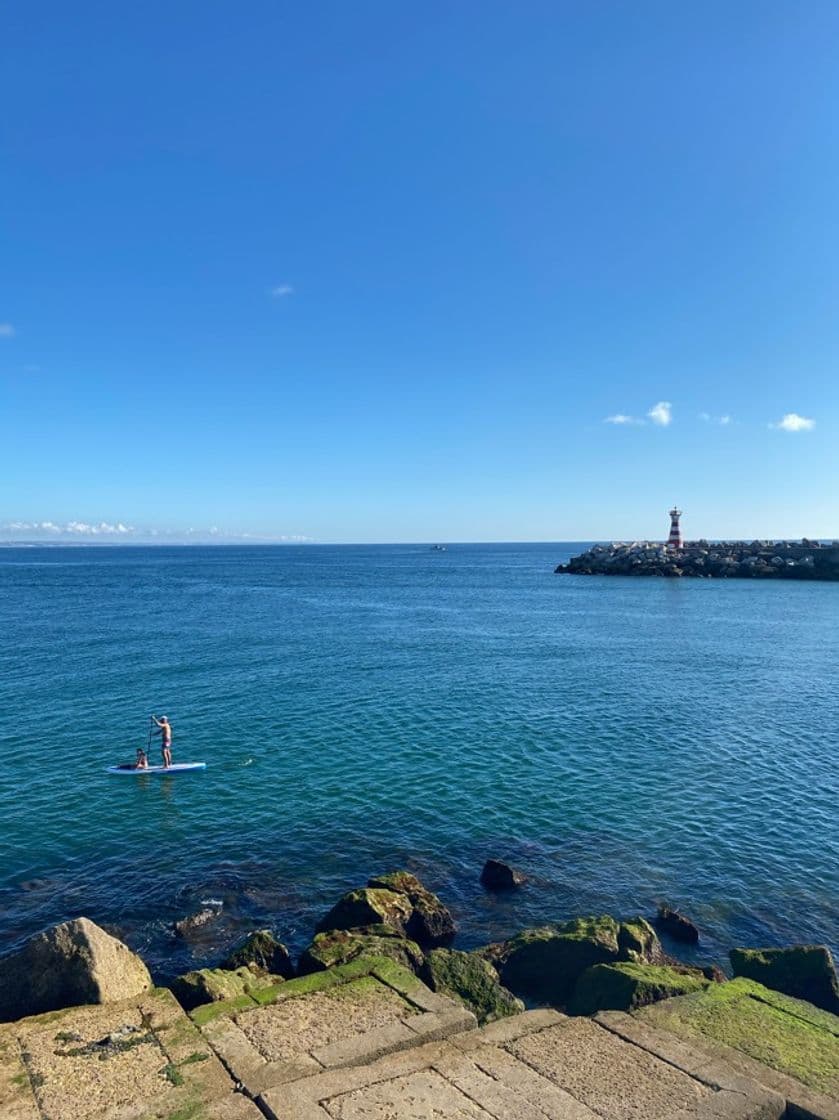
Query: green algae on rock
210	985
430	923
473	981
804	971
368	906
263	950
544	964
788	1035
338	946
625	985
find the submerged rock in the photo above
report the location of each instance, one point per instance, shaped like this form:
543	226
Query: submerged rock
209	985
339	946
430	922
473	981
803	971
676	925
263	950
499	876
195	923
72	963
626	985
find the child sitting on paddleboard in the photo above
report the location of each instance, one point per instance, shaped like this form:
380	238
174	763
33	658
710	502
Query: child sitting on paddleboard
142	762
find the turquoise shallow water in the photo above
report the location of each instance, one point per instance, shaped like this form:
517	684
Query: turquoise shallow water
361	708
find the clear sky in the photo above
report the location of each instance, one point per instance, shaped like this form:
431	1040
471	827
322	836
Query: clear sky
381	271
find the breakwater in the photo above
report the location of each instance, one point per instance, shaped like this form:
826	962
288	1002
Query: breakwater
802	560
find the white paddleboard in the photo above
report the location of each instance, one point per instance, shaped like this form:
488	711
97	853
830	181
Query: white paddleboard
175	768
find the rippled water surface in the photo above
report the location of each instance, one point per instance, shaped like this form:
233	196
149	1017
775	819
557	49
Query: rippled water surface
361	708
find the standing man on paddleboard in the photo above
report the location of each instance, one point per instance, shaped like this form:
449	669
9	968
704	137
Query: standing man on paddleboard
165	740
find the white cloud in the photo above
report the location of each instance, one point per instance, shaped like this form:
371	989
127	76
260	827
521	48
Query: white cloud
661	413
282	290
724	420
622	418
106	531
7	330
792	422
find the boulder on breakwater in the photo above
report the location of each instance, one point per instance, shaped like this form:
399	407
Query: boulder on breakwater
809	560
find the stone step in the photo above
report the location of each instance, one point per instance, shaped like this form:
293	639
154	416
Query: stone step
539	1065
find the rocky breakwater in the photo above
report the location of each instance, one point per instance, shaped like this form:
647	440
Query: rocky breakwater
810	560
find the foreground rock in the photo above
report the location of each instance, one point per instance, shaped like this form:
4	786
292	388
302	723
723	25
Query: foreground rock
339	946
264	951
803	971
210	985
545	964
675	924
398	900
473	981
499	876
72	963
626	985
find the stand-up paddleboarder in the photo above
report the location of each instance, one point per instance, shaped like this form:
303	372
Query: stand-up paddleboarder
165	739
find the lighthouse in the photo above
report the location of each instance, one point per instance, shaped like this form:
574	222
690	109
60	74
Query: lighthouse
675	538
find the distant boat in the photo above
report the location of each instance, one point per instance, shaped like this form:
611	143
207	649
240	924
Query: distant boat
439	548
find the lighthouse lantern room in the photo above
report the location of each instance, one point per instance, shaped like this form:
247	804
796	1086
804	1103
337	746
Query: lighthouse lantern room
675	538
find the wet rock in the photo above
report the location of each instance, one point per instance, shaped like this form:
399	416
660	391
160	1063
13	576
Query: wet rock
676	925
368	906
714	973
499	876
194	924
638	941
72	963
626	985
544	964
473	981
209	985
339	946
430	922
803	971
262	950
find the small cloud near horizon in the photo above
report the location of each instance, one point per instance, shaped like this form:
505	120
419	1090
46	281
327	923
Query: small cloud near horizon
7	330
118	531
661	413
282	290
622	418
792	422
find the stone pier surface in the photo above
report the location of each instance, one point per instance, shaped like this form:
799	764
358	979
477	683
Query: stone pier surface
799	560
369	1041
139	1059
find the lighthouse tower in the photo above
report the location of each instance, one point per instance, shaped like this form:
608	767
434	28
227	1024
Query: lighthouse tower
675	538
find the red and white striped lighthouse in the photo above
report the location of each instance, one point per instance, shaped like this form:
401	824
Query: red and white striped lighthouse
675	538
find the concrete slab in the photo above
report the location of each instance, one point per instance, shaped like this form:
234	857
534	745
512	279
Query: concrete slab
789	1046
347	1016
537	1066
141	1059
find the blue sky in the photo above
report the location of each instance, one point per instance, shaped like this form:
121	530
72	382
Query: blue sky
376	271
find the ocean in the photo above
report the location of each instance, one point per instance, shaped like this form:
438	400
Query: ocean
622	741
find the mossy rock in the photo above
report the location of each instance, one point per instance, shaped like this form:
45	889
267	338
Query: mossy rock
472	981
369	906
638	941
338	946
803	971
430	923
544	964
626	985
210	985
788	1035
262	950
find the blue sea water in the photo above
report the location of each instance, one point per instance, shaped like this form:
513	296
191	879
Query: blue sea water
623	741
